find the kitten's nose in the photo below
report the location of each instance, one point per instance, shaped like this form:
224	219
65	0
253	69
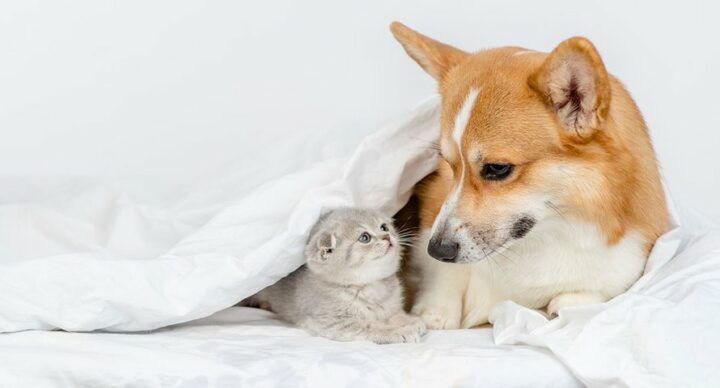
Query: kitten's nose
442	250
387	238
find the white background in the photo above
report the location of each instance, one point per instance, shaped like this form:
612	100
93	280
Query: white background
170	91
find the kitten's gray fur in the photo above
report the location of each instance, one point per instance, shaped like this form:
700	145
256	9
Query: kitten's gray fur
348	290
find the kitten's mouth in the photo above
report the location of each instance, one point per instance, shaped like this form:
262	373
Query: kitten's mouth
390	246
387	250
389	240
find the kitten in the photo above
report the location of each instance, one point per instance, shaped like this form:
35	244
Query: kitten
348	290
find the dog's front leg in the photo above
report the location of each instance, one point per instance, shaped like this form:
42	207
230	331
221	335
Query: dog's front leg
570	299
440	292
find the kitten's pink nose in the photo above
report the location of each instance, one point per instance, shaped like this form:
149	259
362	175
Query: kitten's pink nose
387	238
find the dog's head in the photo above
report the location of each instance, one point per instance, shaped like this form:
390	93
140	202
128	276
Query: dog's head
521	141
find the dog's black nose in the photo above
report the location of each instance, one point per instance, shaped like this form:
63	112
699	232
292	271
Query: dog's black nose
446	251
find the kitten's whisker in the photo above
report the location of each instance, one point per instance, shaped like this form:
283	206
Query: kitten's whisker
402	227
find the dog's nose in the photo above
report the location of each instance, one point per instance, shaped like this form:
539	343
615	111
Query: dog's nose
446	251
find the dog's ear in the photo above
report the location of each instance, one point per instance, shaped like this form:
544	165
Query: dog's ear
435	57
574	83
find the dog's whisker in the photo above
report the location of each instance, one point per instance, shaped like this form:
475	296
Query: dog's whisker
492	271
556	209
504	246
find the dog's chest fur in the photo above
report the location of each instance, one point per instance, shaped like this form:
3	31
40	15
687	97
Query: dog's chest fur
561	255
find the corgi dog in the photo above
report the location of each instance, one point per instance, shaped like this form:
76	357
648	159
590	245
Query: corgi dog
547	192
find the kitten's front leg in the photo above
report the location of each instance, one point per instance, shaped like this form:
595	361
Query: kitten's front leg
440	290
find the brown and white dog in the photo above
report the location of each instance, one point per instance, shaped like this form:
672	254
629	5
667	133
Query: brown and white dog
547	193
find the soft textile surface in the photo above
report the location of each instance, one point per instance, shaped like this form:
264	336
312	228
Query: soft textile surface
86	257
135	256
243	347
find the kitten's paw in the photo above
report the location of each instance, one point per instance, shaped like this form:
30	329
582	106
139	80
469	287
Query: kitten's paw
402	334
438	318
419	325
412	333
400	328
404	319
572	299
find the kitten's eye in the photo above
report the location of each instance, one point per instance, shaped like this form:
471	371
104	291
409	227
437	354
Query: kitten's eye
496	171
384	227
364	238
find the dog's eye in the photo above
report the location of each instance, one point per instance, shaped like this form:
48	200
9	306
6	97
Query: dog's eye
364	238
496	171
384	227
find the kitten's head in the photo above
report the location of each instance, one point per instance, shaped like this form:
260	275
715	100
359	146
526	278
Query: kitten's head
354	246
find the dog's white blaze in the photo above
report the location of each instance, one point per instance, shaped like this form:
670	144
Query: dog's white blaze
463	116
461	121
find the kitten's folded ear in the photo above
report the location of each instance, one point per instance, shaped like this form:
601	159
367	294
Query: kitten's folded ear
320	246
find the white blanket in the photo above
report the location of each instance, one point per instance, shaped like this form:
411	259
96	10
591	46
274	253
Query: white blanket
121	257
244	347
86	257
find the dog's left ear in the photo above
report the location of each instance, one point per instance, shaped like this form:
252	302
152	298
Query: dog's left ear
574	83
434	57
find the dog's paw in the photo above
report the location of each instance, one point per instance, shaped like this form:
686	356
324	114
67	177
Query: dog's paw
572	299
438	318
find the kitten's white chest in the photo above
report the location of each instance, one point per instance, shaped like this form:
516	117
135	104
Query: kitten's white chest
375	292
377	300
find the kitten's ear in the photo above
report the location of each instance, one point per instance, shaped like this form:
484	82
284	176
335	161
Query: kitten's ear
321	246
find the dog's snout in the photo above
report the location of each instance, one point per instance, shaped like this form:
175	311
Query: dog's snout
442	250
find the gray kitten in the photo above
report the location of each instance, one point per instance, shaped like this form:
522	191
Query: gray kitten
348	290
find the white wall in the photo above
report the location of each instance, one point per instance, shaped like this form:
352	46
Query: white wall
171	90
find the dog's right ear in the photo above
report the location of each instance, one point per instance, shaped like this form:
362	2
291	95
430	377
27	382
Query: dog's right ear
435	57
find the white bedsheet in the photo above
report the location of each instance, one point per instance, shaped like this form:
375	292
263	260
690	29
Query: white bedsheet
136	256
244	347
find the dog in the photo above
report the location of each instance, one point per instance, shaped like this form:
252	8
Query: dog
547	192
